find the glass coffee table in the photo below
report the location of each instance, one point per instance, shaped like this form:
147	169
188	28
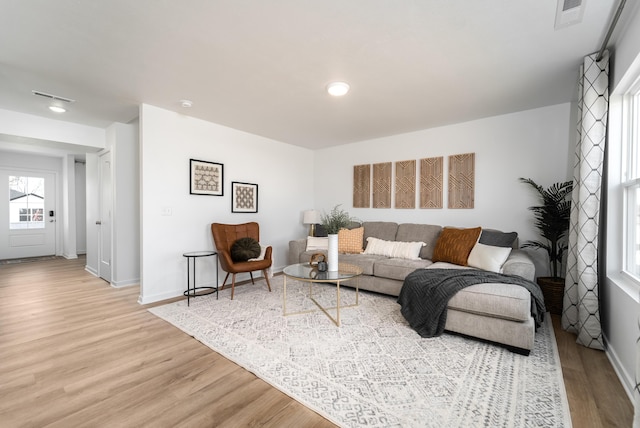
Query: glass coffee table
306	273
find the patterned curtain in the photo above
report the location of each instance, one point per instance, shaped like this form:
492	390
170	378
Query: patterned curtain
581	305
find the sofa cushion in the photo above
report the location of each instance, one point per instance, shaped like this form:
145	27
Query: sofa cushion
454	245
399	249
398	269
498	239
488	257
519	263
506	301
380	229
317	243
366	262
427	233
350	240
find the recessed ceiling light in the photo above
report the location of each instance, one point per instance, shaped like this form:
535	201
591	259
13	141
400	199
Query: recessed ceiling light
186	103
337	89
57	109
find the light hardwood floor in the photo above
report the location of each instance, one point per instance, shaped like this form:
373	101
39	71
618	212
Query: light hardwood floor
76	352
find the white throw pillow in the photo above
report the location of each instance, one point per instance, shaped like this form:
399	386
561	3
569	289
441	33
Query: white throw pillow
317	243
488	257
397	249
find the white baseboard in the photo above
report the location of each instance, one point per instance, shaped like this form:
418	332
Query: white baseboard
91	270
145	300
127	283
625	378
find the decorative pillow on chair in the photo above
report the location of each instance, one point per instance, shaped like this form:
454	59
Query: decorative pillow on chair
350	240
454	245
244	249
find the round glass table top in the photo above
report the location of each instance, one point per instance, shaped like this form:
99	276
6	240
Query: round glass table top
306	272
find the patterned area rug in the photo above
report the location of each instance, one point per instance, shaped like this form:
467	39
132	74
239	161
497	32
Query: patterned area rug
375	370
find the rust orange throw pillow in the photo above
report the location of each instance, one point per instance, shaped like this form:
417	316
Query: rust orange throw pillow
454	245
350	241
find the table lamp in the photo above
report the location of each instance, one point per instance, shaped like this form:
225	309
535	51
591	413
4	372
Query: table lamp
311	217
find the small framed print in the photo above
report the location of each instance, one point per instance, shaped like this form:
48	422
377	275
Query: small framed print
244	197
206	178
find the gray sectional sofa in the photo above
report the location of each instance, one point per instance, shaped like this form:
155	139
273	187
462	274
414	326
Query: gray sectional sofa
495	312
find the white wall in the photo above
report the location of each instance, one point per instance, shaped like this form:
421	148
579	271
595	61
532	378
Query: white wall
125	149
68	221
620	296
532	144
283	173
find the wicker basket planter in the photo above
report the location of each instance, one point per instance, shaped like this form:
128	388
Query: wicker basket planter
553	291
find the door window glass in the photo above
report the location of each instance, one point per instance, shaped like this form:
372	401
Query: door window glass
26	202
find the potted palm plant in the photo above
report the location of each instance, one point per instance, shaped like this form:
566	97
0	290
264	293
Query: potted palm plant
552	220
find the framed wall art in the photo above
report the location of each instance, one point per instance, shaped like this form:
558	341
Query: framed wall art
462	180
405	184
431	182
244	197
361	186
382	185
205	178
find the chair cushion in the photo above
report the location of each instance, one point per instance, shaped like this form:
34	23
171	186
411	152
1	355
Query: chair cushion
244	249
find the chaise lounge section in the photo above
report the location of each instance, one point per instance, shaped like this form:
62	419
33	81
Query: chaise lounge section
496	312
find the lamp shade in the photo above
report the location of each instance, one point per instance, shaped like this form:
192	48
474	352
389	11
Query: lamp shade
311	217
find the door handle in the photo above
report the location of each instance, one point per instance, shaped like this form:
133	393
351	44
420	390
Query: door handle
98	222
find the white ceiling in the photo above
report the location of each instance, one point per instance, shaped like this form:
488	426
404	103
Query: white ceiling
262	66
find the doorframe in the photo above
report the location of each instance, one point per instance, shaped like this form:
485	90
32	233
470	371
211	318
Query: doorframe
99	213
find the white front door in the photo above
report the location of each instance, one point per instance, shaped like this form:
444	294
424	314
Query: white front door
104	223
27	213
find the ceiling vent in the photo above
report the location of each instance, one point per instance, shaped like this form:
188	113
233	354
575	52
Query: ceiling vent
53	97
569	12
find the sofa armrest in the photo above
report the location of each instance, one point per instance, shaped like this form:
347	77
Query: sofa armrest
519	263
296	247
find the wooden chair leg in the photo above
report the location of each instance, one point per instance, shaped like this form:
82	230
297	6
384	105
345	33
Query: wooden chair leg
266	277
233	285
225	281
251	274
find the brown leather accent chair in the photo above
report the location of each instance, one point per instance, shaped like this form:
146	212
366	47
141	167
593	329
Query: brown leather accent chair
224	235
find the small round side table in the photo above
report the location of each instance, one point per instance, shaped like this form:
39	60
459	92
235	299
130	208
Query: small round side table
191	257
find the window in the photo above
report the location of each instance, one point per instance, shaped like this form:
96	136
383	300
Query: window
26	202
631	187
30	214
